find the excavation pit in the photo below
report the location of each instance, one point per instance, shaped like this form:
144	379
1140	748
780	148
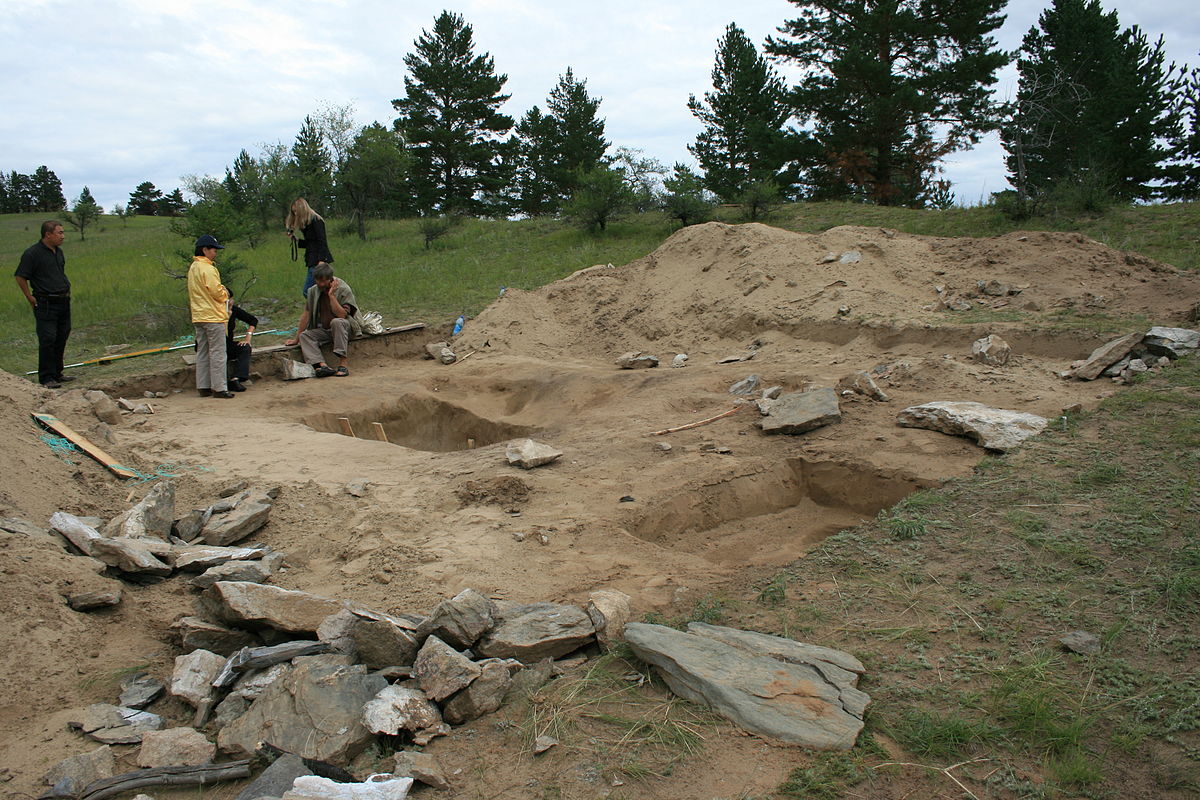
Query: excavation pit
771	516
420	422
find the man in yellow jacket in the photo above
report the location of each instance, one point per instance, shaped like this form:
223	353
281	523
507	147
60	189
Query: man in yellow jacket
209	301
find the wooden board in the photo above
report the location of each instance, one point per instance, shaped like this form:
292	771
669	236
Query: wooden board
62	429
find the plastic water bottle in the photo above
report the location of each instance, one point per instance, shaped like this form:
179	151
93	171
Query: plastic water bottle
458	325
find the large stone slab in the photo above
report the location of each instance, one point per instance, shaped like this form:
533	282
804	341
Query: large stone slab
77	771
801	412
794	703
530	633
129	556
194	674
75	531
1105	356
483	696
399	708
993	428
442	670
199	557
200	634
175	747
255	605
315	711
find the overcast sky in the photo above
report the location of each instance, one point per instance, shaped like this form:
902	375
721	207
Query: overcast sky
110	93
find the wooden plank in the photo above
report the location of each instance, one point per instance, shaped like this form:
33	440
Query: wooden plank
62	429
346	429
380	433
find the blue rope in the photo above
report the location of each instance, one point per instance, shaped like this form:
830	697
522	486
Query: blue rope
60	446
168	470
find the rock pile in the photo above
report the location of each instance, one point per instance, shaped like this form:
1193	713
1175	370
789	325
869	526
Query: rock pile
1121	359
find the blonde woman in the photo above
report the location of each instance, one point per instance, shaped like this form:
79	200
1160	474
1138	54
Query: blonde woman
311	226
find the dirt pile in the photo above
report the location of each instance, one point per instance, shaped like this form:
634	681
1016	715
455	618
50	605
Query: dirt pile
712	286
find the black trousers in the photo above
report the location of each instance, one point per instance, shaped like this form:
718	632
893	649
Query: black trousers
53	326
239	356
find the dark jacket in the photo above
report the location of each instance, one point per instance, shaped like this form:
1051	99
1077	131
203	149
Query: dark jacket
314	244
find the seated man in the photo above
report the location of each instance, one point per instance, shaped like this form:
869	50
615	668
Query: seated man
330	315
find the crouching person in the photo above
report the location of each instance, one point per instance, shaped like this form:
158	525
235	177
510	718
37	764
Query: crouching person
330	316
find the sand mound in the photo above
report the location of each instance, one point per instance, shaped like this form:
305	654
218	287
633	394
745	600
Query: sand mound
714	286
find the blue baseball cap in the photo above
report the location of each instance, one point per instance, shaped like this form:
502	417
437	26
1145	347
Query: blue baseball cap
208	240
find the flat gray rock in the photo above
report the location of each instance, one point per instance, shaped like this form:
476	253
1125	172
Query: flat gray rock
442	670
90	601
140	690
256	605
1171	342
199	557
151	517
200	634
130	556
194	674
527	454
247	512
801	412
993	428
1105	356
238	571
461	620
792	702
81	769
276	779
314	712
530	633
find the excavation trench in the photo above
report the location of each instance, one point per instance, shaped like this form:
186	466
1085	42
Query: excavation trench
421	423
771	516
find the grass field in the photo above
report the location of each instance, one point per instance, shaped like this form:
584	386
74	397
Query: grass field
124	295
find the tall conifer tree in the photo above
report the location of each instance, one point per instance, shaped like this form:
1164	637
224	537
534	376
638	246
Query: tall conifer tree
451	121
892	87
1093	106
744	138
312	166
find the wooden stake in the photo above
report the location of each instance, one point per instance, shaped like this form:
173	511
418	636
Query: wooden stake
63	430
346	429
380	433
470	444
701	422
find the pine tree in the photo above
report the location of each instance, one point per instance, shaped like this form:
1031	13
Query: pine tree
47	191
1184	173
1093	105
314	176
892	87
451	121
144	199
555	147
20	193
686	199
84	213
744	138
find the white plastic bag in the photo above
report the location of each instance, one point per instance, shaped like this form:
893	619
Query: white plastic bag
372	322
377	787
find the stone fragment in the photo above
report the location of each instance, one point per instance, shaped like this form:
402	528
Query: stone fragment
680	360
111	724
1171	342
636	360
236	571
527	454
994	288
398	708
103	406
23	527
250	511
175	747
200	634
129	555
358	487
150	517
194	674
442	670
532	632
75	531
440	352
420	766
862	383
461	620
850	257
140	690
296	370
747	386
90	601
801	412
483	696
256	605
77	771
772	392
991	350
315	711
375	639
234	488
276	779
188	527
793	702
747	356
993	428
543	743
1080	642
609	610
200	557
1105	356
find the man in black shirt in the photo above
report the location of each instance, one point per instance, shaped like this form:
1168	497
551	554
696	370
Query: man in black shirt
42	278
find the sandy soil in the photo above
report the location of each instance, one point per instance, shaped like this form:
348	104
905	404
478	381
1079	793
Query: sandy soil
440	516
